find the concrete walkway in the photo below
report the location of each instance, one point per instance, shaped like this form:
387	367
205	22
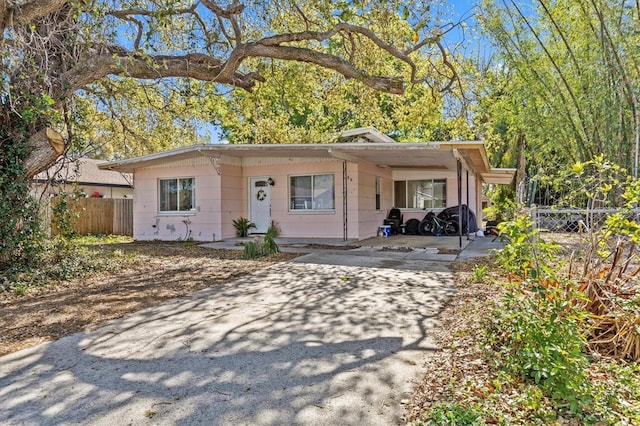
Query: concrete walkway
297	343
398	251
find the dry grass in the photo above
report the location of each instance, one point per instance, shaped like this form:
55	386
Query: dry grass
159	272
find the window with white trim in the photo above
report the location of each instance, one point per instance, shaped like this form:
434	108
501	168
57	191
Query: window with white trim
177	195
312	192
420	194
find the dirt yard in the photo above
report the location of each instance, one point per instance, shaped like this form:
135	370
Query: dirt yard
160	272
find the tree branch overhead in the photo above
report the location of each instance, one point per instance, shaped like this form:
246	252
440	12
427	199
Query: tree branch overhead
79	44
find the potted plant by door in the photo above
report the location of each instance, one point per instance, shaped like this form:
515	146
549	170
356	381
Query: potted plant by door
243	226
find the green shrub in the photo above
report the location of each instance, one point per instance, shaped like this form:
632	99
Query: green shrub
269	245
252	249
243	226
525	253
266	247
452	414
536	333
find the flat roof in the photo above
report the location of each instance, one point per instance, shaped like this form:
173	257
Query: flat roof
389	154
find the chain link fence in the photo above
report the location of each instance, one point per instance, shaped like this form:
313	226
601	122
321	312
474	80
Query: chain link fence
572	219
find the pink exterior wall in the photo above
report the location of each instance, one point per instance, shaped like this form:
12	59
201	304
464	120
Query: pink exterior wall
232	200
201	224
219	199
299	224
370	219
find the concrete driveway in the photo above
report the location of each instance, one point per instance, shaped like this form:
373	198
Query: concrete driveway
297	343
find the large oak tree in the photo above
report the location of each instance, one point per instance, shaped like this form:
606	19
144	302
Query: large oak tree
52	49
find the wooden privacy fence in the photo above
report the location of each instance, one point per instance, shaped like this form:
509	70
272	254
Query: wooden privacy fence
110	216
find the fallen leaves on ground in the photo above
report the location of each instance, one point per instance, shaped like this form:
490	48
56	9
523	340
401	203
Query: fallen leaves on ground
158	272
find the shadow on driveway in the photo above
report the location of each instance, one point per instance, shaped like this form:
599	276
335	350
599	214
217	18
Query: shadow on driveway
295	343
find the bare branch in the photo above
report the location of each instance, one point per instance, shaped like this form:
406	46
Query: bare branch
230	13
348	70
116	61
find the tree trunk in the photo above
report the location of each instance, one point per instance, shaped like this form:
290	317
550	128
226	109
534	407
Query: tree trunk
521	169
46	146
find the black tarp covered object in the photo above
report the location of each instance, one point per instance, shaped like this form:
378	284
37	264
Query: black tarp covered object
451	213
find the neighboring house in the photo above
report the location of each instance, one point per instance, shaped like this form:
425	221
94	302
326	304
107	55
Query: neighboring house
85	176
337	190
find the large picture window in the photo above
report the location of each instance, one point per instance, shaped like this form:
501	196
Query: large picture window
177	195
312	192
420	194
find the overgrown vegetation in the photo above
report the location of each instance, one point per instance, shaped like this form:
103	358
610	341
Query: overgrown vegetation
563	339
539	356
64	259
20	233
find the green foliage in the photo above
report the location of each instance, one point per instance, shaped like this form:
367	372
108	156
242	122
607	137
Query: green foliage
151	117
503	206
617	392
479	273
266	247
536	334
288	108
596	183
625	221
252	249
243	226
63	259
62	216
269	245
451	414
21	236
540	337
567	72
525	253
92	239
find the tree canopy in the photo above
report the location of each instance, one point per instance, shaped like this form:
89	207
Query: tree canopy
52	50
566	79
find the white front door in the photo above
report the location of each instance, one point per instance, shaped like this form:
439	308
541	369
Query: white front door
260	204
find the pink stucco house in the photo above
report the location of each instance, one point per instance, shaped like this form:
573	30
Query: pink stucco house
334	190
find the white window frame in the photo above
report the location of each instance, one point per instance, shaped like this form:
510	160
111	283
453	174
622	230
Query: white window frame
408	196
310	204
193	195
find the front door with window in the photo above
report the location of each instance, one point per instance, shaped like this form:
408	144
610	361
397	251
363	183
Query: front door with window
260	204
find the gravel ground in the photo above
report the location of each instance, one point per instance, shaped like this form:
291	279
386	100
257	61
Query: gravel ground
160	271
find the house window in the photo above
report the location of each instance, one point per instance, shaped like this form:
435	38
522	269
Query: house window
378	201
177	195
312	192
420	194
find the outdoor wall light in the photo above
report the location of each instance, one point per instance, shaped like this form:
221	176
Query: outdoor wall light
271	182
